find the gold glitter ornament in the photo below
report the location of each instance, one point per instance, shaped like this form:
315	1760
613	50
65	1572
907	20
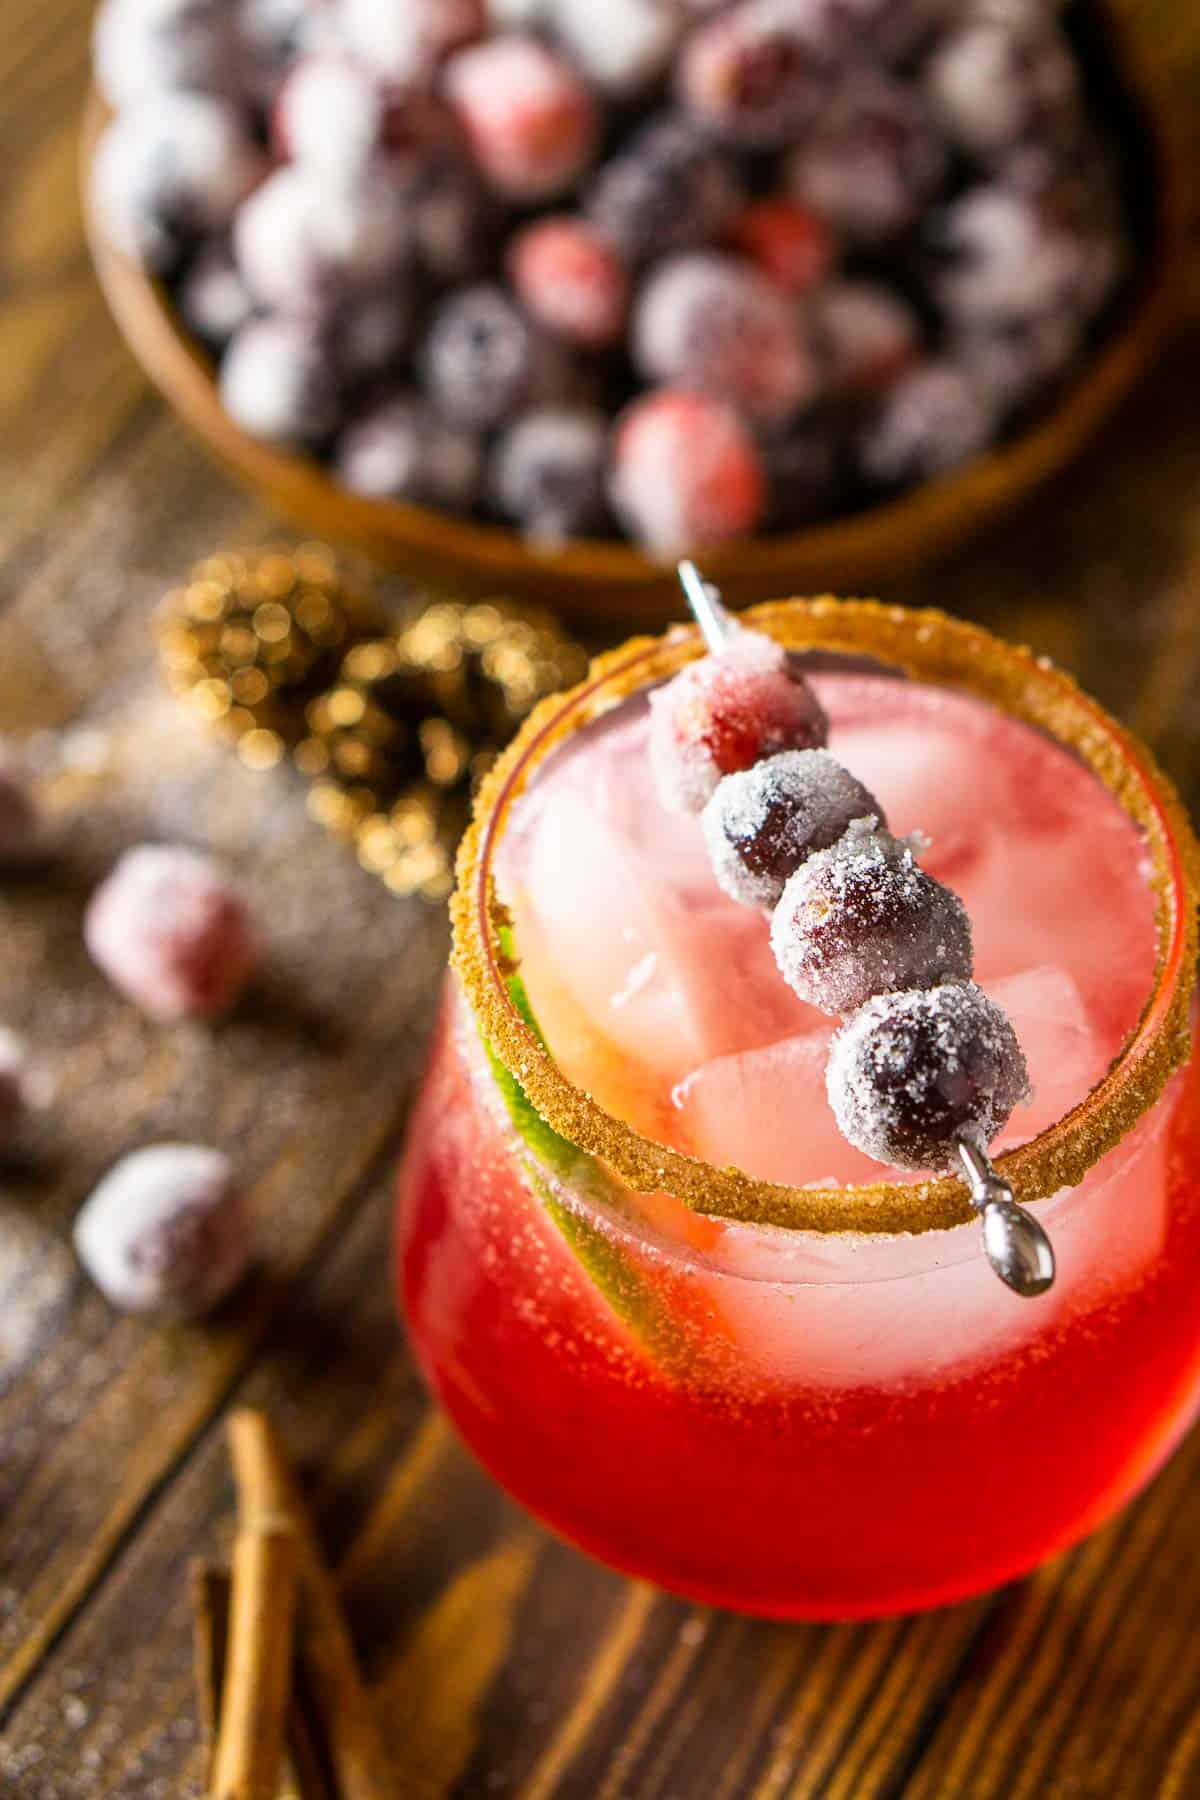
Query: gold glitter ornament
253	636
277	653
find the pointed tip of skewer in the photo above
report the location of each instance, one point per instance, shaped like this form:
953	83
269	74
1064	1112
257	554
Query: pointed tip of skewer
1015	1244
708	610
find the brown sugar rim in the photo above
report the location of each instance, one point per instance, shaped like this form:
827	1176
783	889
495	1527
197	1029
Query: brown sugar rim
928	646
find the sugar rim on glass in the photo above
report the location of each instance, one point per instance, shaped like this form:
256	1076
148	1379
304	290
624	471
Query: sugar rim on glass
930	647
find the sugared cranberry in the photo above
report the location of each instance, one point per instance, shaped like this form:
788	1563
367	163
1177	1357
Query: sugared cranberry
867	30
685	472
404	41
213	299
865	335
548	473
931	420
483	361
763	822
870	163
166	1231
142	48
304	243
272	35
788	242
22	837
277	382
530	121
172	933
863	918
329	113
455	221
399	449
569	278
622	46
749	76
1018	360
668	189
709	322
994	80
910	1073
369	334
1010	254
725	713
171	168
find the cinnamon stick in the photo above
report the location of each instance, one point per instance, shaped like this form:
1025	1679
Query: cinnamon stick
351	1737
258	1663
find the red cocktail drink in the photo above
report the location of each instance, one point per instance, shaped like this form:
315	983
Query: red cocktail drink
663	1300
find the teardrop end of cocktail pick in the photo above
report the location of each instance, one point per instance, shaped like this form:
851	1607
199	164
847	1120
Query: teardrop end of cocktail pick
1015	1244
706	604
1017	1248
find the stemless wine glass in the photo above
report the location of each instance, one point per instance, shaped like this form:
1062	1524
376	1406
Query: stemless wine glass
806	1402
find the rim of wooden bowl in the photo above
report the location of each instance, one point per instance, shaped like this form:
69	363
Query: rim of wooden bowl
613	579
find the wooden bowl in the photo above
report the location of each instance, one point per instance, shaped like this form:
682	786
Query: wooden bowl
612	579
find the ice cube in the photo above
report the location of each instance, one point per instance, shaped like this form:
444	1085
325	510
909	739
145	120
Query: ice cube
1064	1055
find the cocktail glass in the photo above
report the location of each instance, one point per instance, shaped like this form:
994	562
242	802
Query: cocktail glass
816	1400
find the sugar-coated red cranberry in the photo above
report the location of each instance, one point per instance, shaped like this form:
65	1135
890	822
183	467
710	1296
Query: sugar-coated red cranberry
142	48
725	713
571	280
749	76
863	918
399	449
548	473
170	169
667	189
529	119
871	162
866	336
278	382
930	420
329	113
995	80
764	821
167	1231
685	472
172	933
707	321
789	243
304	242
213	299
913	1072
622	46
404	41
483	360
22	836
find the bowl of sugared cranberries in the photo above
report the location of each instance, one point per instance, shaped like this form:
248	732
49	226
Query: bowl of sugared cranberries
537	295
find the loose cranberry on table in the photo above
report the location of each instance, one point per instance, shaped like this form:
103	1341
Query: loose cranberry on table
170	931
167	1231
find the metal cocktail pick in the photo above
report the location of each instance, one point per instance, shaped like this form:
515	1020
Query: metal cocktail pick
1014	1243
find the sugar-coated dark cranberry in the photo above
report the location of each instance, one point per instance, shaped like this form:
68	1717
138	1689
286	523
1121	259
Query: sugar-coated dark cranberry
148	47
624	45
863	918
871	162
912	1072
725	713
548	473
667	189
213	299
749	76
711	322
483	361
399	449
305	243
277	381
763	822
166	1231
995	80
929	421
171	169
865	334
1005	252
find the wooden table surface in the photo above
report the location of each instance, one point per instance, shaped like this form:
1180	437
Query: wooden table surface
504	1663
